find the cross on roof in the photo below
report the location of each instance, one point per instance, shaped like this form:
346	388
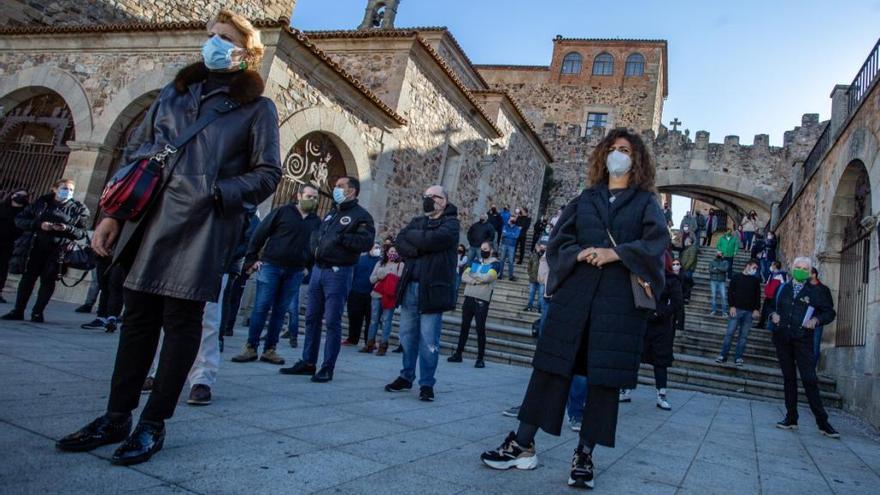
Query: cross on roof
675	123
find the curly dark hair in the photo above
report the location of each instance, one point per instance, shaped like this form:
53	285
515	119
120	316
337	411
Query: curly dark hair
642	173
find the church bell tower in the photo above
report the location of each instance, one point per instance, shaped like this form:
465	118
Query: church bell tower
379	14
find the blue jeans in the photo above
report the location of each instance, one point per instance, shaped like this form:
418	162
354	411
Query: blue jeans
577	397
765	270
535	289
276	287
817	345
420	337
328	290
383	316
729	268
719	288
747	239
293	314
507	254
545	308
743	322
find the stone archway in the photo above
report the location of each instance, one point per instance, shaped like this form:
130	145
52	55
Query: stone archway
736	195
316	160
344	136
26	83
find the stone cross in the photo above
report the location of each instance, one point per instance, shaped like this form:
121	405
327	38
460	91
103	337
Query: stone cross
675	123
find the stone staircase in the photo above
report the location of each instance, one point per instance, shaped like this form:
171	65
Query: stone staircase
509	340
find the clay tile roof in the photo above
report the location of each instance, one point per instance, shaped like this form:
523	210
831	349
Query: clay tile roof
282	22
622	40
519	112
512	67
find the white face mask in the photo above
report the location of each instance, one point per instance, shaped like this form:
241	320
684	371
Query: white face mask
751	271
376	252
618	163
676	268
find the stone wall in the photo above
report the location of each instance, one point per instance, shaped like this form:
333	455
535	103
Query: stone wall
63	12
813	226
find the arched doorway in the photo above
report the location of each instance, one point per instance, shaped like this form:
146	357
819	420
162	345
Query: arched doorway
852	203
314	159
33	137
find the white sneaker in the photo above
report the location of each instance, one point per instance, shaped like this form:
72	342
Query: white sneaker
661	400
625	395
574	424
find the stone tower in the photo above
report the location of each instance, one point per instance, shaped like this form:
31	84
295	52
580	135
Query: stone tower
379	14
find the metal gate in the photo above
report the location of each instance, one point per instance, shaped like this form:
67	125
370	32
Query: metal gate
34	167
314	159
852	305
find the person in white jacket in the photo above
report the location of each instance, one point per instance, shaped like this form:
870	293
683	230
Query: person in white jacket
390	265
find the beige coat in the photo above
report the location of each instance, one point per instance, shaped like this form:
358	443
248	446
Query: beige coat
381	271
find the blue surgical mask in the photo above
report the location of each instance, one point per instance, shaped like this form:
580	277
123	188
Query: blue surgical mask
220	54
618	163
338	195
64	193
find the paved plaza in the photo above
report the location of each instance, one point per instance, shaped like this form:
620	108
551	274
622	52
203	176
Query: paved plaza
269	433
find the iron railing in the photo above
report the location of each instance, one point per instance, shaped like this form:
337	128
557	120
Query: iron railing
864	79
785	204
816	154
852	305
31	166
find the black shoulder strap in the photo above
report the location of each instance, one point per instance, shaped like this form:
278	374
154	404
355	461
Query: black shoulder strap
190	132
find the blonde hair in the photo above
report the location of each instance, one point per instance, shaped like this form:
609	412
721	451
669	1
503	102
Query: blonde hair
253	46
61	182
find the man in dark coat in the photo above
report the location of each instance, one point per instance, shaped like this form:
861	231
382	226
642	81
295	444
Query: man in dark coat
10	206
496	222
480	232
799	308
177	251
744	298
346	232
426	288
523	221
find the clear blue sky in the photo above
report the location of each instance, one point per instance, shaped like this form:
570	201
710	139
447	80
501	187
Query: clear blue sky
743	68
746	67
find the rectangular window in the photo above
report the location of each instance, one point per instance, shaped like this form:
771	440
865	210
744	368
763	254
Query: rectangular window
596	120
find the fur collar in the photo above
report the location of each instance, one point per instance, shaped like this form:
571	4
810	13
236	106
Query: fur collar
245	87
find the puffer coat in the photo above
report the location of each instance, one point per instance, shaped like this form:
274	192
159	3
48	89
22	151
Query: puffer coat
183	243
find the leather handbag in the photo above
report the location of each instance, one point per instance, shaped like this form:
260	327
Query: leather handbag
643	293
131	189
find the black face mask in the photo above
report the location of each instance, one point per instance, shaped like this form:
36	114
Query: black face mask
428	205
460	251
485	254
718	256
21	199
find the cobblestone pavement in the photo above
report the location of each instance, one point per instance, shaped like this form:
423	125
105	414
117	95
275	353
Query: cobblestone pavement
266	432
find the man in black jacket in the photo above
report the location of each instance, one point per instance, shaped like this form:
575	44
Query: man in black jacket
744	298
479	233
425	290
523	221
346	232
283	239
496	222
799	308
10	207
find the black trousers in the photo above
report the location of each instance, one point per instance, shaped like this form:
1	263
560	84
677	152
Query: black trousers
110	280
232	301
359	313
797	353
765	313
5	256
42	265
145	315
473	308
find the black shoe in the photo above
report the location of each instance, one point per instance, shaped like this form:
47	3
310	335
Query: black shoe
110	327
828	431
85	308
144	441
37	318
455	358
293	343
513	279
102	431
94	324
300	368
479	364
426	394
398	350
510	454
199	395
324	375
581	470
398	385
787	424
13	316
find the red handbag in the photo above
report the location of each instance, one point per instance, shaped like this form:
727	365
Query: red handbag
131	189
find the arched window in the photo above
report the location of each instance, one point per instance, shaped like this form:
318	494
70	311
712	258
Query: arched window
603	65
635	65
571	64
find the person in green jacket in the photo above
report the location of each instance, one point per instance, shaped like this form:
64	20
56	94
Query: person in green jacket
688	265
728	244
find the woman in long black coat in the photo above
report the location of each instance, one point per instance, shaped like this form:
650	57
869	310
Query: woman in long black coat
593	327
660	334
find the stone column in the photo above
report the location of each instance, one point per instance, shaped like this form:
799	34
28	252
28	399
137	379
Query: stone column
81	168
839	104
